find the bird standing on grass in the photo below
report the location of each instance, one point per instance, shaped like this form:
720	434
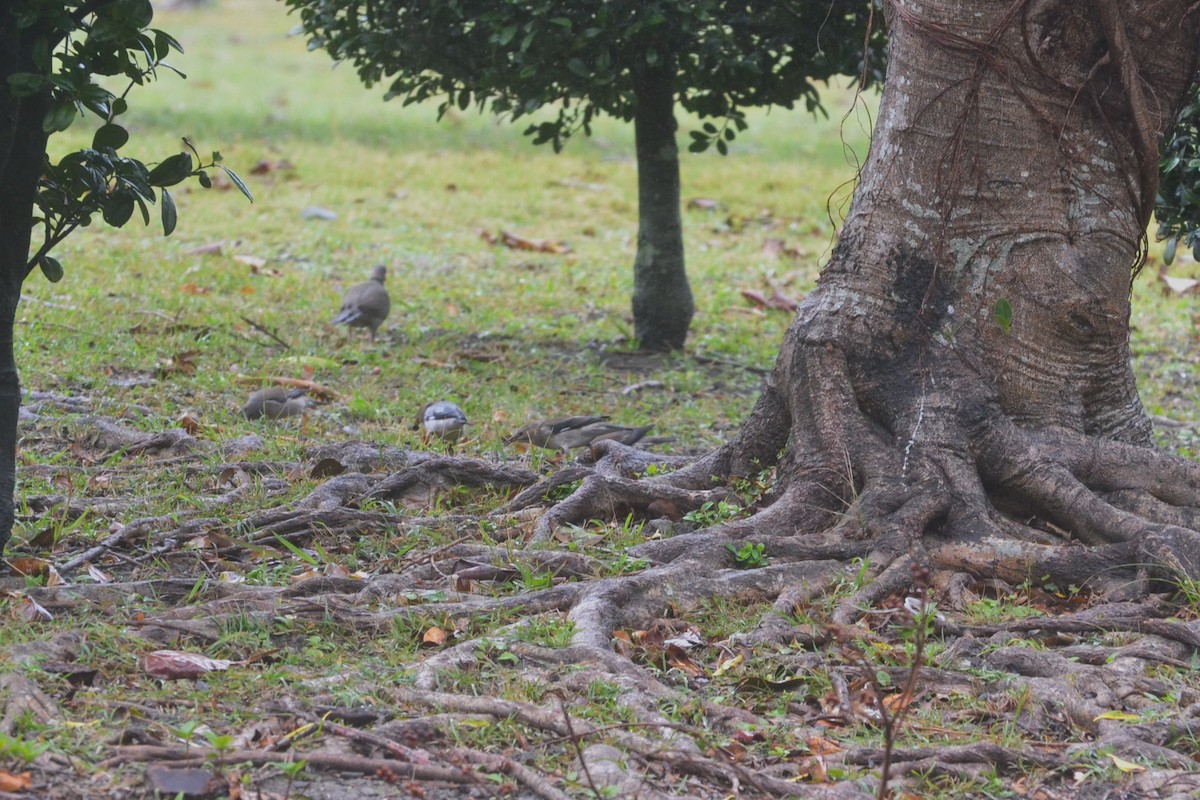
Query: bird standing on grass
571	432
275	402
367	304
441	419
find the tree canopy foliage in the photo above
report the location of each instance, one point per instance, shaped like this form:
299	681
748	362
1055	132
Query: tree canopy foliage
76	51
584	58
1178	207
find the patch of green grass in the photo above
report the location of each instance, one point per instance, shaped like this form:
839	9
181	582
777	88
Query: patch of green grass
986	610
718	618
547	631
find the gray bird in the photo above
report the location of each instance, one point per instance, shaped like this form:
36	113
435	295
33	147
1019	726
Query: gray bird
441	419
367	304
571	432
275	402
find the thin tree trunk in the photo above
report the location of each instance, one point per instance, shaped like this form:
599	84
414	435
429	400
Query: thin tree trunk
662	298
22	149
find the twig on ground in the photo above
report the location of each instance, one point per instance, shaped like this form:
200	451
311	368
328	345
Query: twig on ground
266	332
178	756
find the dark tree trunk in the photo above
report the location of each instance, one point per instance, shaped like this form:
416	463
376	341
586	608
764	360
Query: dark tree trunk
22	149
662	298
1013	166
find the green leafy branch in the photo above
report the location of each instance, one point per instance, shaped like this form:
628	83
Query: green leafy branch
100	39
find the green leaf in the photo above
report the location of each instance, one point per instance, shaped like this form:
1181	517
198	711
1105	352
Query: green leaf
117	210
52	268
1169	250
1119	716
24	84
60	116
171	170
110	135
1003	312
168	213
242	187
164	43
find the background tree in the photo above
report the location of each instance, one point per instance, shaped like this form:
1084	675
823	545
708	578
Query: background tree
632	60
51	55
1178	208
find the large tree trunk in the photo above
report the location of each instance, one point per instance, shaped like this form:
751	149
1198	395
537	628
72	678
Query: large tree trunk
1013	167
662	298
22	149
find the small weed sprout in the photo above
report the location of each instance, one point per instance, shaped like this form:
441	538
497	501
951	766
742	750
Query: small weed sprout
26	751
562	491
750	555
713	513
292	770
754	486
532	580
219	742
184	731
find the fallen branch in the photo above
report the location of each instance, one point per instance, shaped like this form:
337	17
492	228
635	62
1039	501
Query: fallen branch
193	756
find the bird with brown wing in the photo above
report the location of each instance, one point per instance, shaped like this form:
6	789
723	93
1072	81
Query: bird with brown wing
366	305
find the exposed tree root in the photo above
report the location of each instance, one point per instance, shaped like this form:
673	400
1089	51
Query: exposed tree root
602	496
202	756
23	701
840	533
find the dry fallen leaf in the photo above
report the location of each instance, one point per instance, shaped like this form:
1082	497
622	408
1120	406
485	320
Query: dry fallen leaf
821	746
211	249
264	167
327	468
1178	285
678	658
1125	766
29	567
188	422
14	782
173	664
515	242
434	636
182	363
30	610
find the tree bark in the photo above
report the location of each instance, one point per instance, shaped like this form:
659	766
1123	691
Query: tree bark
662	298
22	150
1013	166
